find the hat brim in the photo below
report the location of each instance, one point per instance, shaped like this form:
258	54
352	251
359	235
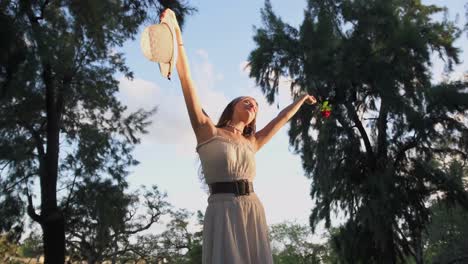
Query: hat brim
166	69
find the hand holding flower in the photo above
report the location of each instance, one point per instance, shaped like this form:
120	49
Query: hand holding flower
325	109
309	99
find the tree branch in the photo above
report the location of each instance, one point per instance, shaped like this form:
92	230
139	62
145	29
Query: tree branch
346	126
450	150
6	164
42	9
119	252
131	213
38	139
7	189
153	219
362	131
67	203
32	212
403	236
382	131
66	81
82	237
401	153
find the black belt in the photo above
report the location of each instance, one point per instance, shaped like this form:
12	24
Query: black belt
239	187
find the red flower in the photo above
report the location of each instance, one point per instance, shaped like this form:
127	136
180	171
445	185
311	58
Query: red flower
326	113
325	109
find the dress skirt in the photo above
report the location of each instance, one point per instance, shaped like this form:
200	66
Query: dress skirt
235	230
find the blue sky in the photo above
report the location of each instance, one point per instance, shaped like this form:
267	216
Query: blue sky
218	40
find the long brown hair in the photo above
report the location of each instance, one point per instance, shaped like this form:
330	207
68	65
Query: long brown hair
226	116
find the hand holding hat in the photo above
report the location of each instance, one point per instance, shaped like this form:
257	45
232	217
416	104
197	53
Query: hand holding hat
159	42
169	15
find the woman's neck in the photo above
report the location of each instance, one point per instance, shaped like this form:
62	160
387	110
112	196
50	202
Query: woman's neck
237	127
234	128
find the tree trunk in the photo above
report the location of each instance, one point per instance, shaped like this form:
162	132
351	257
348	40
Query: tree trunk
114	254
52	219
53	228
388	253
418	248
91	259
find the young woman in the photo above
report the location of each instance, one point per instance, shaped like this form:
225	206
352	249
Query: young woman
235	229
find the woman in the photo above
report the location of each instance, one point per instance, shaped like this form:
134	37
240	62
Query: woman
234	230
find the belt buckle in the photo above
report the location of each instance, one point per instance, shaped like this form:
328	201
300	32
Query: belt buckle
245	190
247	187
236	189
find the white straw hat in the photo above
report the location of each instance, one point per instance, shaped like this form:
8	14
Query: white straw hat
158	43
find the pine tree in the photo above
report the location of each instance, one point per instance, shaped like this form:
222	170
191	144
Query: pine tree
393	135
60	120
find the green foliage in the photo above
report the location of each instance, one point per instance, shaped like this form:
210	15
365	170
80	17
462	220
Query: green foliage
292	243
387	146
8	248
31	246
11	210
60	120
446	239
176	244
102	218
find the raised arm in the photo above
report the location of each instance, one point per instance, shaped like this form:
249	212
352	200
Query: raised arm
266	133
200	121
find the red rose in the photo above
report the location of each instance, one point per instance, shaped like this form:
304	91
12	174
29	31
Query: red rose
326	113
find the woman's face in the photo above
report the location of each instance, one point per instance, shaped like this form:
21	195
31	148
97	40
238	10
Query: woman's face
246	109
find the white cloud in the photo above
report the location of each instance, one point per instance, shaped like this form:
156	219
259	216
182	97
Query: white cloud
139	93
202	53
206	79
170	124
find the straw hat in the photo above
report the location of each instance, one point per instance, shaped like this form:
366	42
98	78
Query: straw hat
158	43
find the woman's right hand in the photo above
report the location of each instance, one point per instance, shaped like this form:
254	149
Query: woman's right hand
309	99
171	15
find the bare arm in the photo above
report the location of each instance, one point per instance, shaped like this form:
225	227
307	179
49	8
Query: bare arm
265	134
198	119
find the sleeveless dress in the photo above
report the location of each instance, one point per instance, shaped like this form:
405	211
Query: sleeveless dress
235	230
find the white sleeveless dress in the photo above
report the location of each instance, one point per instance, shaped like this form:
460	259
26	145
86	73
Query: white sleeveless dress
235	230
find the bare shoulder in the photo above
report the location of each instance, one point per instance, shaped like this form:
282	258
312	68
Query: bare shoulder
252	139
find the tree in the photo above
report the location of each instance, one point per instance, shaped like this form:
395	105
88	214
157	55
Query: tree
446	239
176	244
59	118
179	245
32	246
386	147
103	218
11	222
7	248
292	243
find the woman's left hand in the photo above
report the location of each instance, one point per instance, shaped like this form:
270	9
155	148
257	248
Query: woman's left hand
309	99
171	15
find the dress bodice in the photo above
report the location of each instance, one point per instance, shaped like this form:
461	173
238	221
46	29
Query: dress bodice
225	159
